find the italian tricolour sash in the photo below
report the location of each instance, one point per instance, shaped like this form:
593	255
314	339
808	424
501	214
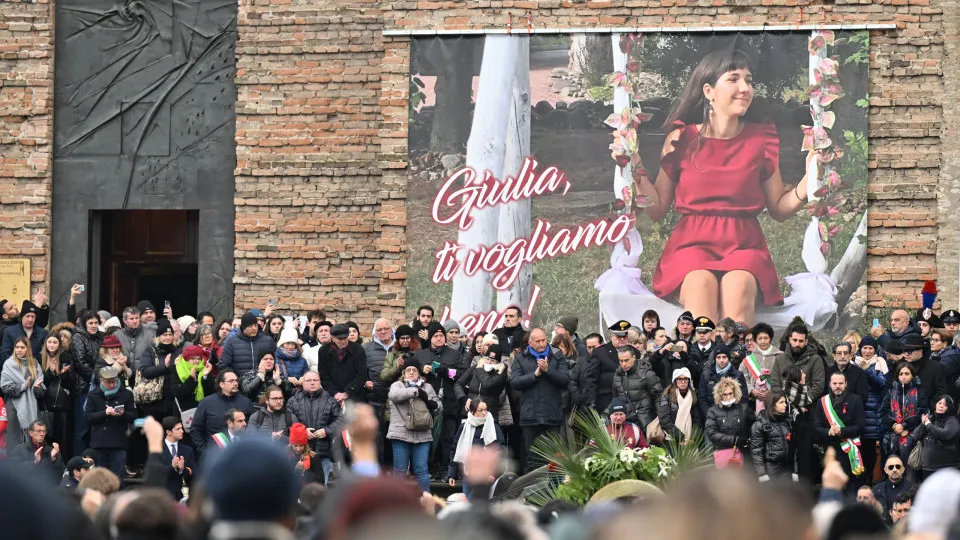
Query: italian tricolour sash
222	440
851	447
753	366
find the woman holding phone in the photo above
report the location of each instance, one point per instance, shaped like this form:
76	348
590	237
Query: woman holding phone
720	169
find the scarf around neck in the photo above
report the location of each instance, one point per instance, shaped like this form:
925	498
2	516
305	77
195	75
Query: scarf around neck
470	425
684	421
184	369
545	355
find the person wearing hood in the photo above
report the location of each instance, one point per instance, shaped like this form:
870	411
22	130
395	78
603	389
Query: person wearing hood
485	382
804	355
134	336
210	417
639	385
342	365
901	325
109	412
290	357
28	328
479	428
444	367
540	375
156	362
721	367
568	325
240	353
940	433
876	372
932	379
769	438
839	423
319	411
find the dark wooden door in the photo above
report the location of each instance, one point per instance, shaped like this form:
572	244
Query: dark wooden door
143	247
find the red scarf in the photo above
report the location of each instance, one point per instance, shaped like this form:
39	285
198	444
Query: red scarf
903	405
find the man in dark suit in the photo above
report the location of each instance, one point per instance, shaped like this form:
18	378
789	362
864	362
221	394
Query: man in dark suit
180	457
838	422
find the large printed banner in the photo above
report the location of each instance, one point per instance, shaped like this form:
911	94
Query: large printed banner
601	176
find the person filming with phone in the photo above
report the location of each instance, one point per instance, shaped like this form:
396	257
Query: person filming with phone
109	412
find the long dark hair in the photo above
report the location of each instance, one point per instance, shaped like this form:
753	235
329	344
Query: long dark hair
692	107
773	396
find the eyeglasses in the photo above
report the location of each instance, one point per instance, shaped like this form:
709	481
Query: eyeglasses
894	467
276	398
228	381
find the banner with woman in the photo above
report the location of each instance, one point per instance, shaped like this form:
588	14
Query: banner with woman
602	175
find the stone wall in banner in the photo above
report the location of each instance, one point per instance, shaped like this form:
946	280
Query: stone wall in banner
321	136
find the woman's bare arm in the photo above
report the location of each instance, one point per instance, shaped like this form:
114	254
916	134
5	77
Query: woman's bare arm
783	203
661	193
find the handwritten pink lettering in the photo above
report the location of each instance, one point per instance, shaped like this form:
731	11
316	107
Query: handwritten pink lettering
486	191
490	321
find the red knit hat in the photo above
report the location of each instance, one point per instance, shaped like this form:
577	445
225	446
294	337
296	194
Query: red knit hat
298	434
192	351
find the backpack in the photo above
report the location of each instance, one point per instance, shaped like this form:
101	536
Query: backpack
262	416
418	417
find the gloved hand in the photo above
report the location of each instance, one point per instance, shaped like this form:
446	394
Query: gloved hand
422	394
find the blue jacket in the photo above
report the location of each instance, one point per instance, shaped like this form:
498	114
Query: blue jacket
242	353
294	365
877	384
210	417
15	332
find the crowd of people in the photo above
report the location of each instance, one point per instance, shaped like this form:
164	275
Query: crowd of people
187	406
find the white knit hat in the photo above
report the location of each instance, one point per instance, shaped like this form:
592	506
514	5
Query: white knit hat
112	322
682	372
184	322
288	335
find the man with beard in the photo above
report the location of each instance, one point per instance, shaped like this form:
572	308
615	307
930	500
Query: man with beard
511	333
27	327
10	314
443	368
930	372
421	324
342	365
148	314
893	486
805	357
701	350
856	378
839	421
900	327
609	362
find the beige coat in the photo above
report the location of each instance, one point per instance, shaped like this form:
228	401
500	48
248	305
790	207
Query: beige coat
400	396
767	361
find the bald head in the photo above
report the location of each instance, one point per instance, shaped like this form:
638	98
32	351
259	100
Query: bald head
538	339
899	321
383	331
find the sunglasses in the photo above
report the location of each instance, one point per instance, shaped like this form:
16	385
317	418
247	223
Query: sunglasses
894	467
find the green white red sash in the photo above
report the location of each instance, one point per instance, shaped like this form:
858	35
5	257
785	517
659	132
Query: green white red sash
851	447
222	440
753	366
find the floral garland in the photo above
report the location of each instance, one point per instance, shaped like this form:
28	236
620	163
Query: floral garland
625	123
816	138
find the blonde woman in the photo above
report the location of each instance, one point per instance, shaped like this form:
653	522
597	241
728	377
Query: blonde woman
853	338
58	378
22	383
730	419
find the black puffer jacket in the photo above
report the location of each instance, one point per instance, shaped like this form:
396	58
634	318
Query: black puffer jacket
151	365
86	352
452	368
541	398
608	364
376	354
940	439
729	426
317	410
769	446
584	378
641	387
477	383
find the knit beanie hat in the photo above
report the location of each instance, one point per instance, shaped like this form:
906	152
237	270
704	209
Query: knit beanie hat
192	351
163	326
263	352
298	434
495	352
449	325
868	341
404	330
288	335
434	328
570	323
185	321
103	314
248	319
240	497
145	305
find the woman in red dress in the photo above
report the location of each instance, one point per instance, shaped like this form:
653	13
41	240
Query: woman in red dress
720	168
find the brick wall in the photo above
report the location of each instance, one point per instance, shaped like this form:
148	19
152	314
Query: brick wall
26	133
321	136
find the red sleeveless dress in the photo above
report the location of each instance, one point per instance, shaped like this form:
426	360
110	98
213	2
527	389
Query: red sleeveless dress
719	195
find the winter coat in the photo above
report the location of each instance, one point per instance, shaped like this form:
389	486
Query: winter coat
901	397
151	365
266	423
812	365
109	432
241	353
445	377
490	386
584	382
877	384
767	361
887	493
608	363
23	403
640	386
347	375
709	379
291	365
134	342
949	360
253	386
769	446
581	347
59	394
15	332
931	375
541	398
376	356
856	379
939	438
455	469
671	361
184	392
849	408
702	360
510	338
667	410
727	427
50	470
86	351
210	416
400	395
317	410
888	336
